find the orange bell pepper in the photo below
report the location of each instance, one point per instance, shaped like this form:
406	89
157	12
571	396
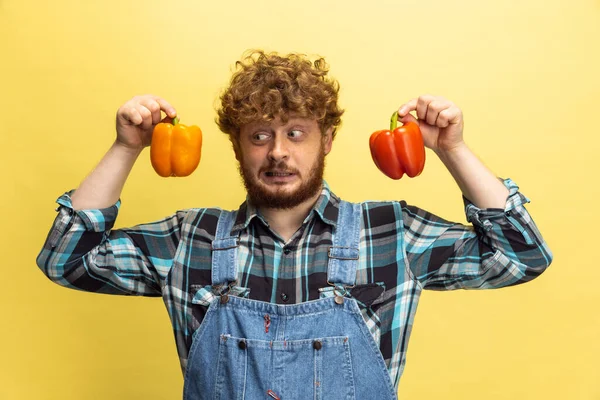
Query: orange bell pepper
175	149
398	151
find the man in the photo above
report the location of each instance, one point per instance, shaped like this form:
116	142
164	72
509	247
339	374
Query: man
297	294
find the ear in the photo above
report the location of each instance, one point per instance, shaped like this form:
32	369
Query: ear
328	140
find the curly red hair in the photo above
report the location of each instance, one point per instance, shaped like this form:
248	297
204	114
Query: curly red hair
267	85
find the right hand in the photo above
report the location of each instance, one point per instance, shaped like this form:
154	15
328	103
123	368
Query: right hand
137	118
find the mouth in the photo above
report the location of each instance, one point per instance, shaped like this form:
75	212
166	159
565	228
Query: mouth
278	177
276	174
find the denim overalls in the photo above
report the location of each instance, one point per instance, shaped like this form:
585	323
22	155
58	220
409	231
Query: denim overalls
320	349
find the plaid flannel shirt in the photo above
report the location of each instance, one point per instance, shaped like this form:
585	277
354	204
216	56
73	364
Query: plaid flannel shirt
403	250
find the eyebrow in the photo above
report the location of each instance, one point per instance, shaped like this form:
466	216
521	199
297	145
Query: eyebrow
293	124
290	124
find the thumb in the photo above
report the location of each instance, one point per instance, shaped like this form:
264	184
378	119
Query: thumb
167	120
408	118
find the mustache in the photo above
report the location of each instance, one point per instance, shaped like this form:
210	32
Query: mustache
279	167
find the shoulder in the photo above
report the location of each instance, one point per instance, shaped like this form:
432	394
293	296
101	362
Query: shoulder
201	221
377	212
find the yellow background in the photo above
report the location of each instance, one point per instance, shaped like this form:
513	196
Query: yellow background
525	74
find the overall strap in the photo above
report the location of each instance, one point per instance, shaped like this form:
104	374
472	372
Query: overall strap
224	251
343	255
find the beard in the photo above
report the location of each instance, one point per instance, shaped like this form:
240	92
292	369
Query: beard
262	197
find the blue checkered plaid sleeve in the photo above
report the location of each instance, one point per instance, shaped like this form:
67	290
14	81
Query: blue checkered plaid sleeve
83	252
501	247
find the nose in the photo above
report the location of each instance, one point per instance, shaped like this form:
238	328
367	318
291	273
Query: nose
279	150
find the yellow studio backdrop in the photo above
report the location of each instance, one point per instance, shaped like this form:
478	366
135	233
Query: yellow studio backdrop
525	74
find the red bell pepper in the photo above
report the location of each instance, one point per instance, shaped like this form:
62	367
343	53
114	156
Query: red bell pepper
399	150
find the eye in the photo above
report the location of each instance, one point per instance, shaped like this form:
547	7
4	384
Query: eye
260	137
295	134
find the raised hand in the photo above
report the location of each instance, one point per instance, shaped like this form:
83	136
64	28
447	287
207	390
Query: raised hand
440	121
137	118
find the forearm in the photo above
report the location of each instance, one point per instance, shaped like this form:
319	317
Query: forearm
476	181
102	187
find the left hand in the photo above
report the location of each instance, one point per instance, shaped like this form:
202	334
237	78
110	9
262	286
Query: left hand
440	121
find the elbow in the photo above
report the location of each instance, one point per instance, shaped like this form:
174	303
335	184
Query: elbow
53	270
534	263
543	259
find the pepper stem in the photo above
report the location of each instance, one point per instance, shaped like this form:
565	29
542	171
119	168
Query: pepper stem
394	121
176	121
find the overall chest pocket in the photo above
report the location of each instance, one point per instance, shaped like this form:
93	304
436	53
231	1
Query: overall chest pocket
319	368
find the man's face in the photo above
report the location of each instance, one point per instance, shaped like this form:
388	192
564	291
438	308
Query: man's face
282	164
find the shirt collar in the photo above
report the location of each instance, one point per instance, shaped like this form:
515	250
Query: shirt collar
326	208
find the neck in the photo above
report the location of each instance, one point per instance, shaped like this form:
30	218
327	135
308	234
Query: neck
287	221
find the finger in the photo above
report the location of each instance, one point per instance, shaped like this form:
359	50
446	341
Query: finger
154	108
409	118
167	120
407	108
451	115
146	116
422	104
131	115
443	119
166	107
433	111
454	115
